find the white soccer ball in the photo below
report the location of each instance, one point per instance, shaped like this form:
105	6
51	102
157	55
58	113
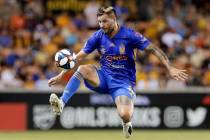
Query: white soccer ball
62	59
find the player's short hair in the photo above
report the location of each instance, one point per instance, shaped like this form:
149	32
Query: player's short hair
109	10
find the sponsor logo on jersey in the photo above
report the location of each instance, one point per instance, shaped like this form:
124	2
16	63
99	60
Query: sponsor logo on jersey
116	58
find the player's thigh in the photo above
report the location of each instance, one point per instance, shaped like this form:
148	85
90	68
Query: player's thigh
124	101
90	75
121	91
101	85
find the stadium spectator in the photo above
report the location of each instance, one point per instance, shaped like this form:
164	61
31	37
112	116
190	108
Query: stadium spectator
90	14
30	35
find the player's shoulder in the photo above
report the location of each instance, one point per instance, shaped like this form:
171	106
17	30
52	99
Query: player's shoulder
128	30
98	34
132	33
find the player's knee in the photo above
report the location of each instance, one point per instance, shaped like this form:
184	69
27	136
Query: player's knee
85	70
125	115
124	107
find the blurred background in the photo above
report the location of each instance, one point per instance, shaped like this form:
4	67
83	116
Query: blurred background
32	31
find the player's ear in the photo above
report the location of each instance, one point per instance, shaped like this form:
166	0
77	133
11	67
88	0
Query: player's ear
114	17
113	20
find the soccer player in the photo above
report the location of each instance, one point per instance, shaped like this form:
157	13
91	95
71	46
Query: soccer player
116	74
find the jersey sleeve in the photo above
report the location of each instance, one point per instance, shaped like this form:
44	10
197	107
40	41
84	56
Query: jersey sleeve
139	41
90	44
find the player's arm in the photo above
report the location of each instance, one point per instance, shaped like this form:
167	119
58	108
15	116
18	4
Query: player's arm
88	48
79	56
177	74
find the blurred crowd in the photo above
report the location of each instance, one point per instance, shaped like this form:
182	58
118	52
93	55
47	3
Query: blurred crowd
30	35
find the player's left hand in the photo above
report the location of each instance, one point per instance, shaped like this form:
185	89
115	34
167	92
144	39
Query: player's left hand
178	74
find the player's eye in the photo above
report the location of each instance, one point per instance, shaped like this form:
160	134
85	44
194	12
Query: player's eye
104	21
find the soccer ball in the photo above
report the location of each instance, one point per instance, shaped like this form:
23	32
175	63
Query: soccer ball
62	59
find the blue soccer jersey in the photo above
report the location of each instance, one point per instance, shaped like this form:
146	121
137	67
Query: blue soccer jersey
117	53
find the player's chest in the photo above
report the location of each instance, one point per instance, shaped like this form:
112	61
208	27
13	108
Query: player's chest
114	46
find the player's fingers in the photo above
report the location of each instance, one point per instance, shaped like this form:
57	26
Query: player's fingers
51	82
183	70
181	78
183	75
176	78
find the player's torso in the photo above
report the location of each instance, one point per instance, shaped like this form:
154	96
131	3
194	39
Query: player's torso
116	52
117	56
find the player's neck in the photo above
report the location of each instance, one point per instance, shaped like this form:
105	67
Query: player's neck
116	29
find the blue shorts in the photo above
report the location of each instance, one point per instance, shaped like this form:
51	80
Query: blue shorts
112	86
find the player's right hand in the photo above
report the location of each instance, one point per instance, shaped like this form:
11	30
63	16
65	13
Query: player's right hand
53	81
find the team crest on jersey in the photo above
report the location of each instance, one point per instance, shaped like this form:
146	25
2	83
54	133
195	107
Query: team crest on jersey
122	49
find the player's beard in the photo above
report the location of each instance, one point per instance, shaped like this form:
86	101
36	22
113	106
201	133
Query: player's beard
108	31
